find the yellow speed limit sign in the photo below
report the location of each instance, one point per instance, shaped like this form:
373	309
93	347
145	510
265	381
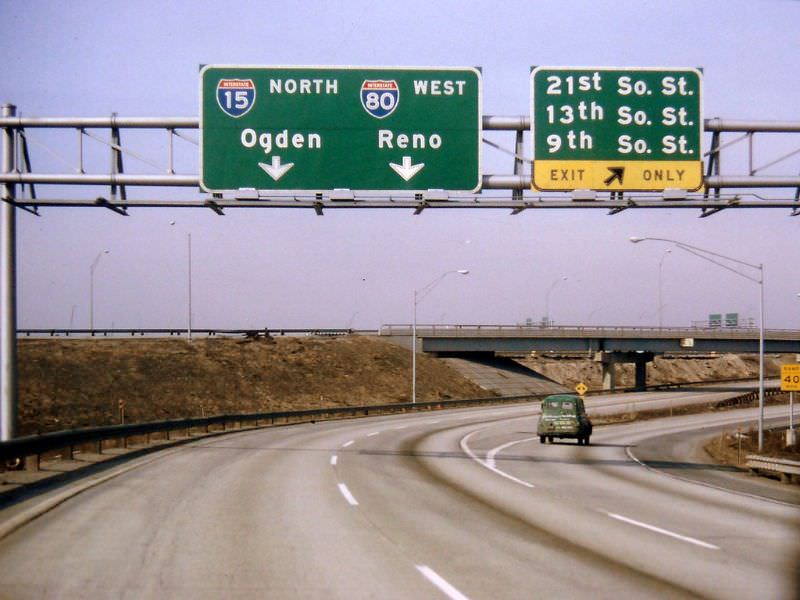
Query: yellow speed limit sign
581	388
790	378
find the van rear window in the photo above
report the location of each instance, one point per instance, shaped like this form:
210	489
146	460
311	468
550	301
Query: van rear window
559	407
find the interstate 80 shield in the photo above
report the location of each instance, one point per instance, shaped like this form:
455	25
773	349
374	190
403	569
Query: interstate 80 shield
380	97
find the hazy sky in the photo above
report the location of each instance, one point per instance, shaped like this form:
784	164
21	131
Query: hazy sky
291	268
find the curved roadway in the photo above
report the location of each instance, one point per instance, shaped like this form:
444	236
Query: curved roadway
456	504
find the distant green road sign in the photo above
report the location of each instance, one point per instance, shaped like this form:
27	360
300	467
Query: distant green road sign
321	128
610	129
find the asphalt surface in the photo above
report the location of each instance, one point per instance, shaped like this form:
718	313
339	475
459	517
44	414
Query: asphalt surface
449	504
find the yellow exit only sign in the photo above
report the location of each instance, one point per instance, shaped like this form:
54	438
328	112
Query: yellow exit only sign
790	378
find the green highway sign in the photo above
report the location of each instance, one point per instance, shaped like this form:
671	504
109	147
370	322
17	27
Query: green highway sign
613	129
277	128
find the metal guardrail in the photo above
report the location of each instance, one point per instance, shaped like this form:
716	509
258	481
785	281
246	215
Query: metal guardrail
787	469
687	385
31	448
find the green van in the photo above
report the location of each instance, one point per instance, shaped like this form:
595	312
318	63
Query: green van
564	416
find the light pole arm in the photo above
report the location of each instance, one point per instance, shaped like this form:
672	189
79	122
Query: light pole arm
702	253
699	254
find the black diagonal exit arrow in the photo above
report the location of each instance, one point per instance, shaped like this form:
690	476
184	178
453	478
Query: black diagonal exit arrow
616	173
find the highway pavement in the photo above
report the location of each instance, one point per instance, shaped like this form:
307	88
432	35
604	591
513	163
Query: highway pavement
446	504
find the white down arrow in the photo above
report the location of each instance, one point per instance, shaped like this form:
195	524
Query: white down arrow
276	170
406	170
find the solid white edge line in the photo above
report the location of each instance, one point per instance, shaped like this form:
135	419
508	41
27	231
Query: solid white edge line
347	495
346	444
441	583
664	532
334	460
663	473
465	447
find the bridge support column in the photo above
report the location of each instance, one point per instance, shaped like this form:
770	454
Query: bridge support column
608	364
610	359
641	373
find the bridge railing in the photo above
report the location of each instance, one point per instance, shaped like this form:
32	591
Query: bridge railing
585	331
178	332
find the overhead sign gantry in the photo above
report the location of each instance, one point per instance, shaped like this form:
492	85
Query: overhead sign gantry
325	128
611	129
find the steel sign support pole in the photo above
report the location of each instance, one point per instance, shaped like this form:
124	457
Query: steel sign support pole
519	148
8	290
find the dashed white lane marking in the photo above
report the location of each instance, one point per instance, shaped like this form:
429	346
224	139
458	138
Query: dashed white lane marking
441	583
465	447
402	427
350	443
347	495
334	460
373	434
664	532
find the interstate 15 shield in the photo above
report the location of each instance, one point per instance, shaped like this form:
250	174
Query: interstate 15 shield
379	98
236	96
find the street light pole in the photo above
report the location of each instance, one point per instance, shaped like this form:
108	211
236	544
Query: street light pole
706	255
660	289
547	299
91	287
189	285
189	316
417	299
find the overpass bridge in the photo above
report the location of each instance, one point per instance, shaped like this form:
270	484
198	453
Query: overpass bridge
608	345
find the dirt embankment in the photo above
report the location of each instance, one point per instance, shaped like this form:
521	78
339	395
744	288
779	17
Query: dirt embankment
69	383
65	384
